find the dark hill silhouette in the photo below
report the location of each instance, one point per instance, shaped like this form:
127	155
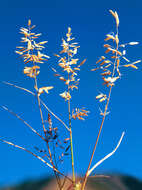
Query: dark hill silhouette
113	182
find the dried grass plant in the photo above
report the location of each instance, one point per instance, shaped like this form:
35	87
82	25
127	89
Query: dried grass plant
110	71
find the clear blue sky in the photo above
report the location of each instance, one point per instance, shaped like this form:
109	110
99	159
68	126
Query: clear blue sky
90	22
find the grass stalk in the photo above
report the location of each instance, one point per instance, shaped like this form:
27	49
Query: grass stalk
97	140
49	151
71	141
104	116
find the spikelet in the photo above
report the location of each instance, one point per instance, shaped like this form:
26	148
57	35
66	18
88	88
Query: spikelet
115	16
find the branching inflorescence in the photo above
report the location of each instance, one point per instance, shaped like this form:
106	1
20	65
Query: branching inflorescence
110	66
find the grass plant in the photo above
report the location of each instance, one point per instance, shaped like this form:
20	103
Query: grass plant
67	70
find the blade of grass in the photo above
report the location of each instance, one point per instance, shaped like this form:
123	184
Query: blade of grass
107	156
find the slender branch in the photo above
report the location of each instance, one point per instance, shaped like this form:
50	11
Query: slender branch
39	105
21	88
71	142
38	157
98	136
72	157
70	127
48	147
57	177
103	119
107	156
17	116
42	121
55	163
41	115
62	185
54	115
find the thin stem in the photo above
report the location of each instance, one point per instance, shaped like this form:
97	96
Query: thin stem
57	176
96	143
54	115
103	119
41	101
42	120
39	105
71	141
18	117
22	148
53	156
10	111
70	127
38	157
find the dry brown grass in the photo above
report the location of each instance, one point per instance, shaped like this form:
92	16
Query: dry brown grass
67	71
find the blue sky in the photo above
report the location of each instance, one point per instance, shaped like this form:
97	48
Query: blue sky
90	22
